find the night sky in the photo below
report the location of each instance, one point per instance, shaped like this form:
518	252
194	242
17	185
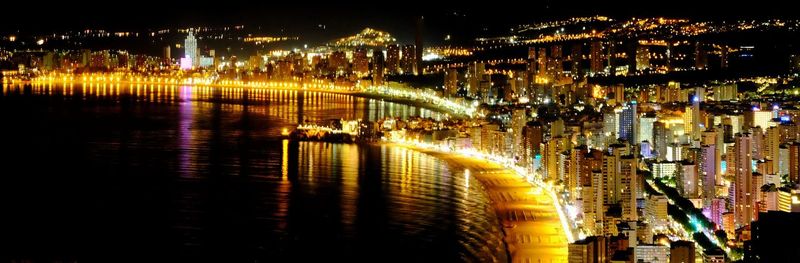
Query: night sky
340	19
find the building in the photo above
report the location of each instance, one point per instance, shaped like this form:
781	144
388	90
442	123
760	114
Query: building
726	92
655	211
682	251
360	62
646	129
596	57
744	199
378	67
651	254
628	122
408	60
191	51
628	187
714	256
593	249
392	59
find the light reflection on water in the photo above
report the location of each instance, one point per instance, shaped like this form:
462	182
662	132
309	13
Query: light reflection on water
200	173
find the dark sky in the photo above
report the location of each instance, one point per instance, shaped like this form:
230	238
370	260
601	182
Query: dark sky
341	18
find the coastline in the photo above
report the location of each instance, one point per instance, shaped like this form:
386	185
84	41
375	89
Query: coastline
530	225
355	93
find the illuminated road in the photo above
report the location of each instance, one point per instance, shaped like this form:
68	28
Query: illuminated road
534	232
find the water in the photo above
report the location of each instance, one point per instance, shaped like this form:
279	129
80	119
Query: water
168	173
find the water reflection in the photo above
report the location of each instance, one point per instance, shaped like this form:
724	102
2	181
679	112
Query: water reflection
200	174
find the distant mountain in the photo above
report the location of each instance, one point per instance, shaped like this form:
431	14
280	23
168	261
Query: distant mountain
367	37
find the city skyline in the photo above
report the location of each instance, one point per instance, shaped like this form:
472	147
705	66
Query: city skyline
577	132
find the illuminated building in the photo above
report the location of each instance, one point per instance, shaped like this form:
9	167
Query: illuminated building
714	256
759	118
596	57
360	62
655	211
167	54
628	122
518	121
708	171
744	199
725	92
392	59
378	65
337	61
593	249
651	253
646	129
664	169
190	49
477	78
553	150
662	136
716	210
772	141
682	251
687	182
408	60
728	223
794	161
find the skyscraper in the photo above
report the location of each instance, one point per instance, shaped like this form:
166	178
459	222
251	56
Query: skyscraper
744	199
596	57
190	50
408	60
628	123
392	58
360	62
378	67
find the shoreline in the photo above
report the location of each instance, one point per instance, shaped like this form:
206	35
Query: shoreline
527	216
355	93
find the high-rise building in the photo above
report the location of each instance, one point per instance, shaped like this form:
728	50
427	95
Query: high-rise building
725	92
628	187
518	120
378	67
682	252
655	211
190	49
651	253
708	172
167	54
629	122
593	249
360	62
646	129
596	57
744	199
408	60
794	162
392	59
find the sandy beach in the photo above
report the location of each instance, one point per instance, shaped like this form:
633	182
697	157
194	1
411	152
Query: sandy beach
533	232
